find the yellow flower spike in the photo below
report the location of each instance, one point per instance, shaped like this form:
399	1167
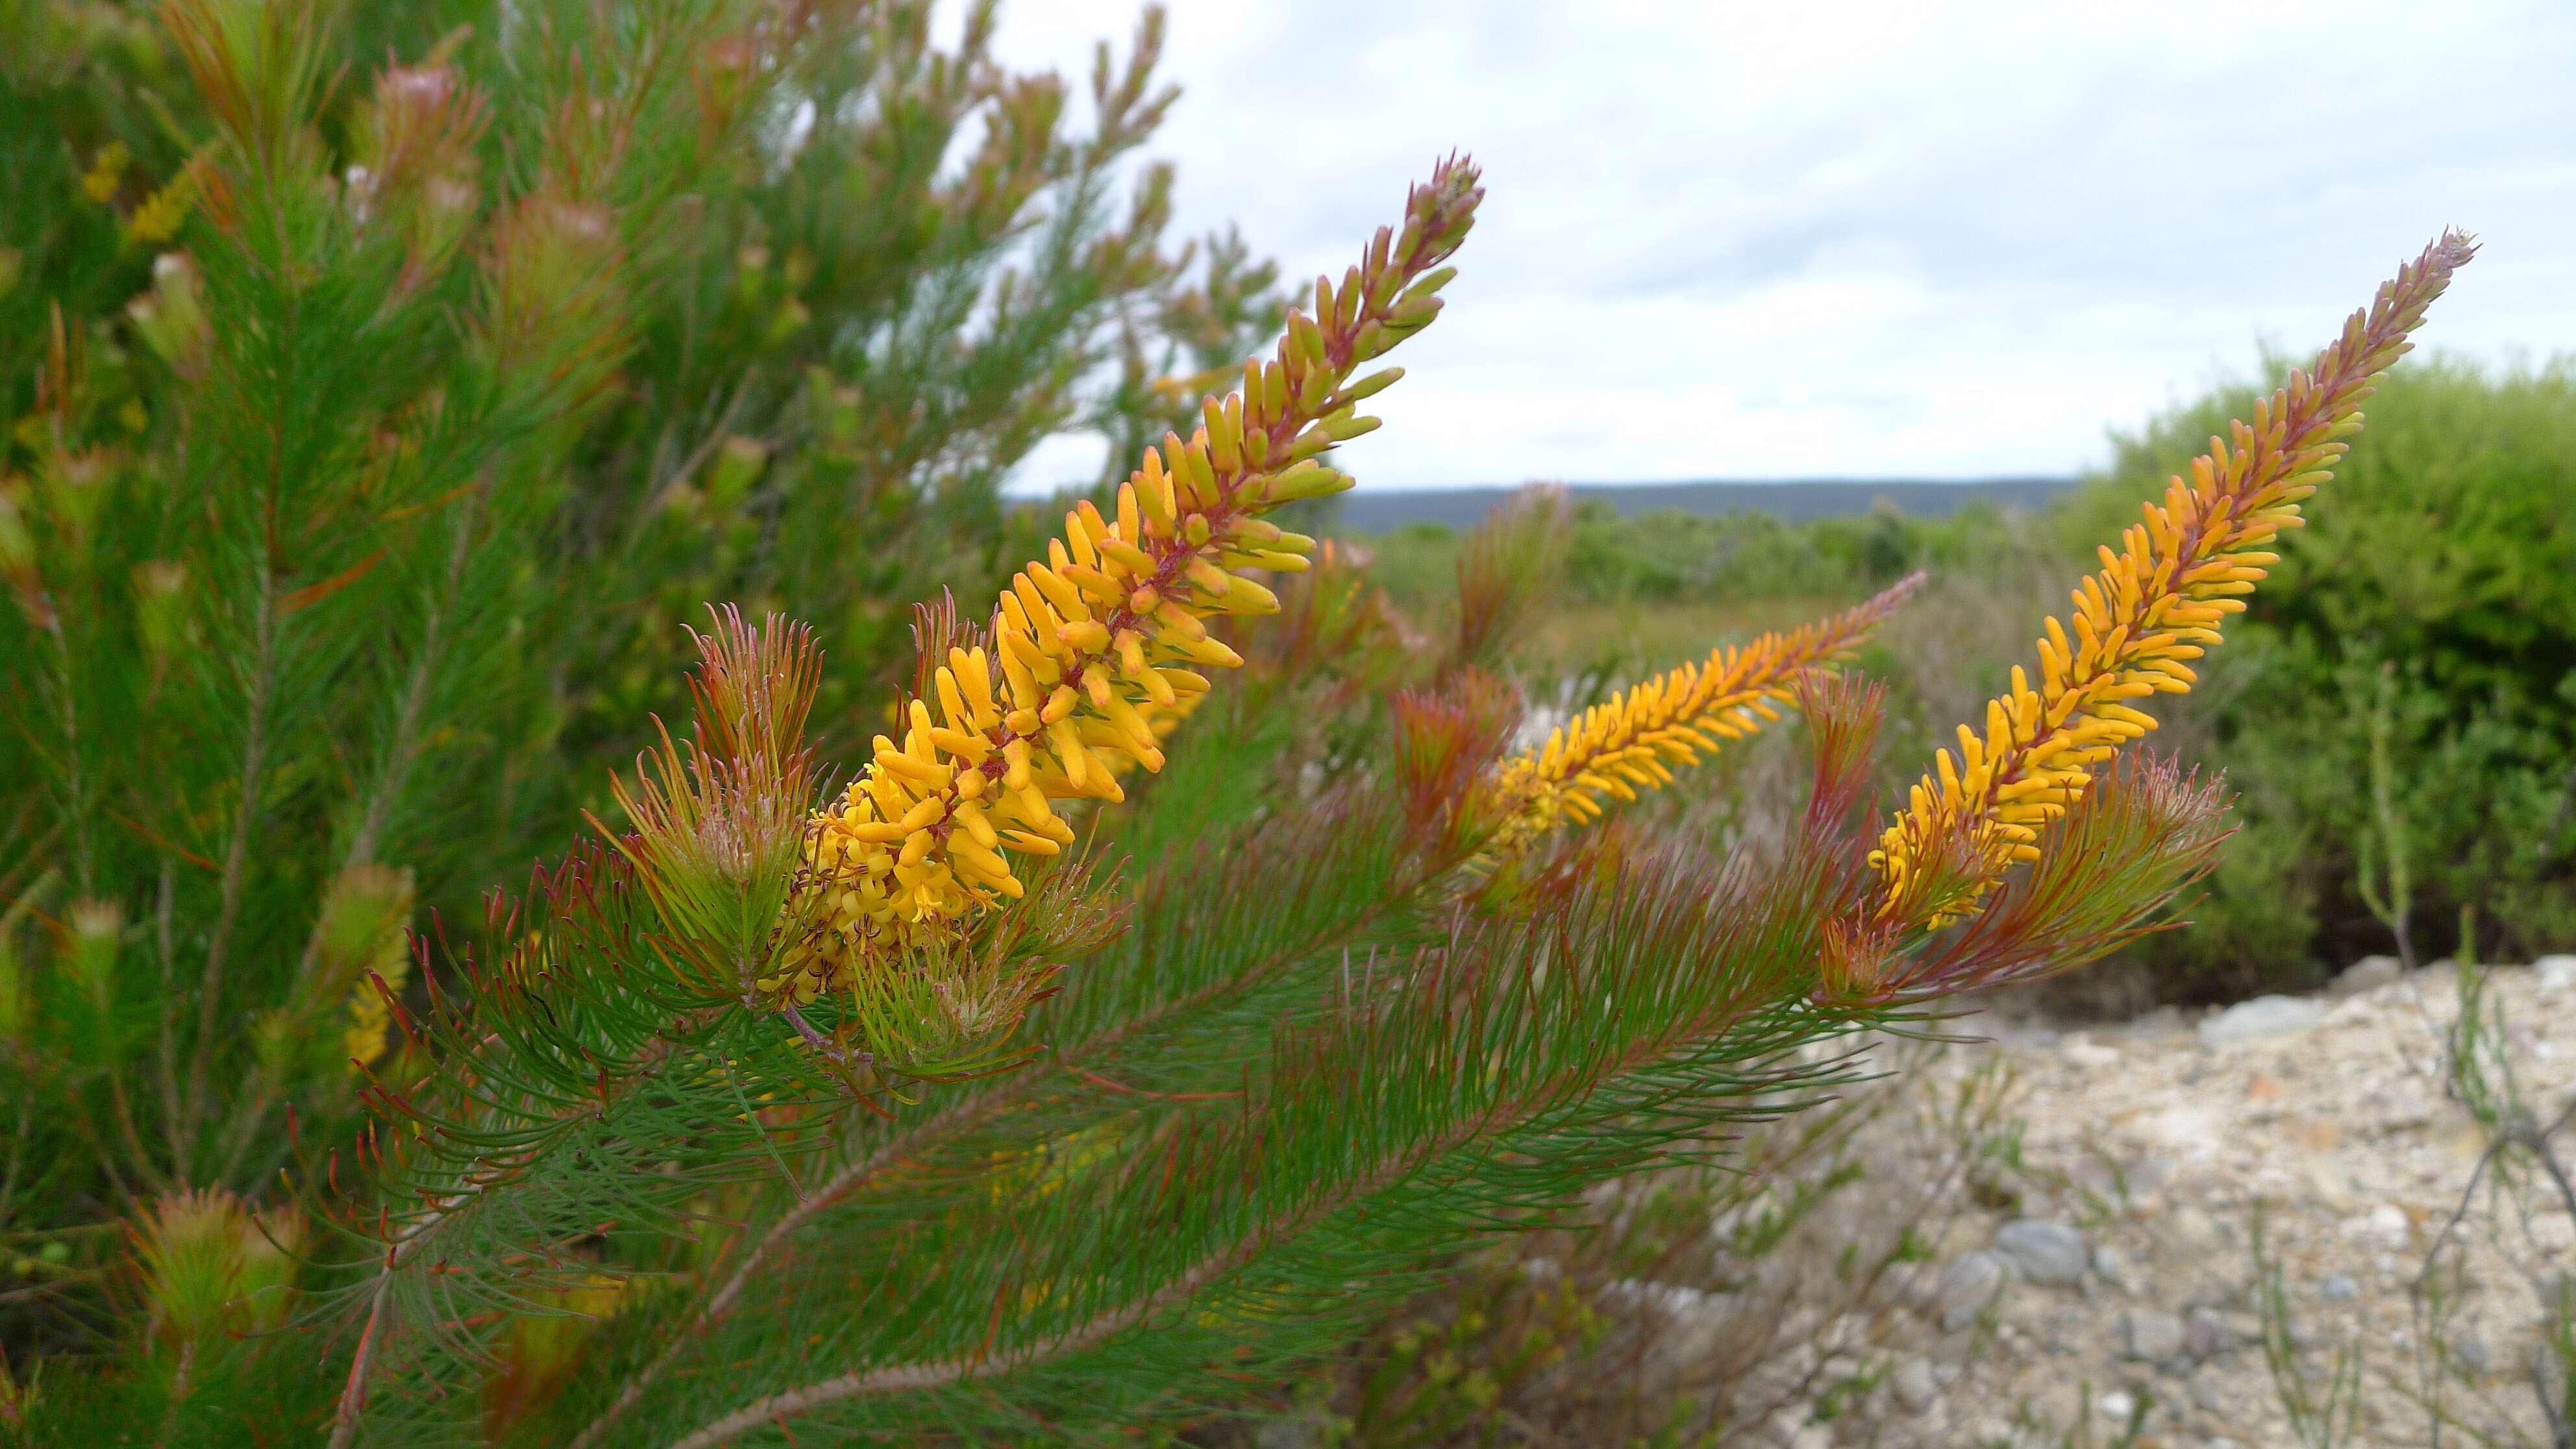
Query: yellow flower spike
1610	748
2151	606
1098	642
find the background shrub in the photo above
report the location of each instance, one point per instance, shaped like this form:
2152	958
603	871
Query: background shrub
383	387
2446	552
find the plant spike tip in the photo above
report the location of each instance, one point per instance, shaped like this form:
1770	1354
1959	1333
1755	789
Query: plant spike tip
1625	744
2158	602
1087	637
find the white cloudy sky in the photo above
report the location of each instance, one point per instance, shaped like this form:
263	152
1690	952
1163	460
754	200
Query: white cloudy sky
1749	238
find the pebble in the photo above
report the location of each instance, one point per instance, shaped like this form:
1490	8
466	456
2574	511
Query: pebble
2083	1051
1287	1434
2151	1335
2205	1334
2338	1288
2118	1405
1913	1384
2111	1268
2470	1352
2366	973
2388	1221
1968	1284
2557	973
2193	1227
2044	1252
2261	1017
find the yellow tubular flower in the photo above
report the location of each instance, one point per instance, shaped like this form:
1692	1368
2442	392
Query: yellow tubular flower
1096	648
1627	743
2156	604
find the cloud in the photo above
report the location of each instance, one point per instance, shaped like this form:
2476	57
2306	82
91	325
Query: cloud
1859	236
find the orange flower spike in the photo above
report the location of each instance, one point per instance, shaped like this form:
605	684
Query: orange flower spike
1096	646
2157	603
1627	743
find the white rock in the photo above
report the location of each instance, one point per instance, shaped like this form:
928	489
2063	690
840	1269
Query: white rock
2193	1227
2151	1335
2205	1335
2083	1051
2388	1222
2261	1017
2118	1404
2557	973
1913	1384
1968	1284
2366	973
1288	1434
2044	1252
2113	1269
2208	1393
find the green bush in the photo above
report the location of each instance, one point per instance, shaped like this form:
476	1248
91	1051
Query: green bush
2446	550
385	386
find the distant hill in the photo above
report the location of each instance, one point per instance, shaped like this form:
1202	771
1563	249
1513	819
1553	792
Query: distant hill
1366	510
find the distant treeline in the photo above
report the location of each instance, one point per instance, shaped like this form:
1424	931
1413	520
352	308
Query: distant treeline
1371	511
1681	556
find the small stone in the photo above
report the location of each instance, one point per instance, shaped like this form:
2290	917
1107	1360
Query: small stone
2327	1186
2207	1393
1968	1284
2364	974
2388	1222
2261	1017
2205	1334
1287	1434
2193	1227
2151	1335
2163	1021
2470	1352
2557	973
2145	1174
1913	1384
2338	1288
2117	1405
2111	1268
2044	1252
2083	1051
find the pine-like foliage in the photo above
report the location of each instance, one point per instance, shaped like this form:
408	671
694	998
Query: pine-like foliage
1199	958
386	384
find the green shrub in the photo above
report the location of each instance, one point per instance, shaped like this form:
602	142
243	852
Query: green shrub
2447	549
386	385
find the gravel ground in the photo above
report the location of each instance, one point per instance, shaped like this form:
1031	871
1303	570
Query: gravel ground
2114	1297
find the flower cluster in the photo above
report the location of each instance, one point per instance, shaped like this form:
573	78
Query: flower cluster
1095	644
1629	742
2155	605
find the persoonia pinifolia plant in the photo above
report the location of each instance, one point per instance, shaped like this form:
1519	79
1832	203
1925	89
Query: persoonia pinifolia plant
1285	1069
